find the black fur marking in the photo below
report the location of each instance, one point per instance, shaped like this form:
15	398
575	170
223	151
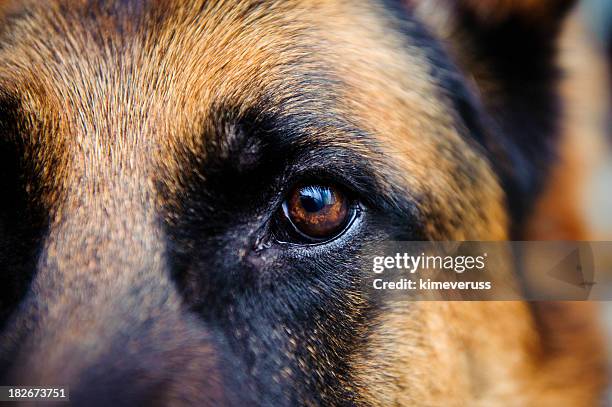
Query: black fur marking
22	218
521	56
272	297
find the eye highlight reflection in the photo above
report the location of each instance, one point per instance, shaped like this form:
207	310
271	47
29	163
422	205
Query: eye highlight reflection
318	212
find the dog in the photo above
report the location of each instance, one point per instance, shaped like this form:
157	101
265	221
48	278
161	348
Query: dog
187	184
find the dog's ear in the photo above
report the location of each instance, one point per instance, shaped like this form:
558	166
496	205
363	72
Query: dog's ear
507	49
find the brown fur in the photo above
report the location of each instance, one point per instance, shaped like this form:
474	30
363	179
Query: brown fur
113	110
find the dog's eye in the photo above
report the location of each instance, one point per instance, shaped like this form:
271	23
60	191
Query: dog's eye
318	212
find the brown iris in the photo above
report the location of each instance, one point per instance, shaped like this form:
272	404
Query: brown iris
317	211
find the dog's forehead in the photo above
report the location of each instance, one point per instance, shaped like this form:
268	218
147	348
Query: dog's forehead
165	58
129	84
95	61
109	76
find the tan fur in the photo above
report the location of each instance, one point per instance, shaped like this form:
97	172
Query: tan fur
415	130
111	140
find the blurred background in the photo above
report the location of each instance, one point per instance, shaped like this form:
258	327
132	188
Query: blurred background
586	55
590	111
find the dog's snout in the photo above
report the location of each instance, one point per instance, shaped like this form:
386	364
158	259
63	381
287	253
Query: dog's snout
149	364
144	352
105	319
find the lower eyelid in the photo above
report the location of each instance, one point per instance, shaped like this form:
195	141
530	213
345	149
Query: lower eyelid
354	224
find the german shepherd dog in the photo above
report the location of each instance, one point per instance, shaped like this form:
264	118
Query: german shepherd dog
186	185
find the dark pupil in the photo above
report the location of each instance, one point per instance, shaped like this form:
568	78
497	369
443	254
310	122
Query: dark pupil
314	199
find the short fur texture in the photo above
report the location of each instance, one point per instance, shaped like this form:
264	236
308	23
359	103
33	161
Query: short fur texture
148	144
